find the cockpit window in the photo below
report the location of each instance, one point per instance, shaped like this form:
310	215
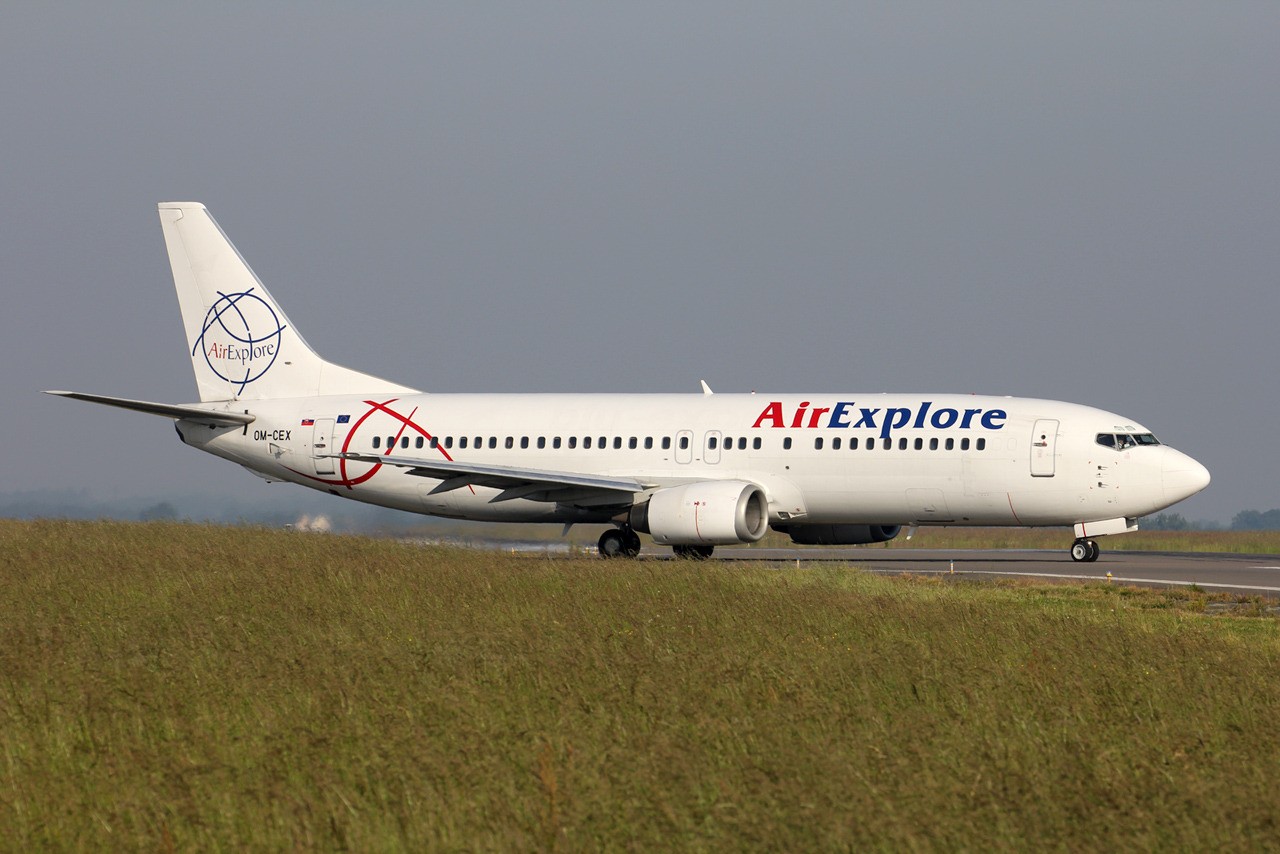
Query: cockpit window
1121	441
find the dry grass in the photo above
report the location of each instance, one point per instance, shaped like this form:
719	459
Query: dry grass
179	686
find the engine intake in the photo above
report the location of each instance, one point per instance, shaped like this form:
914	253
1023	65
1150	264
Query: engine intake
710	512
840	535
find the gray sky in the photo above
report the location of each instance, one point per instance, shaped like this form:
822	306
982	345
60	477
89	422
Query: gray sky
1073	200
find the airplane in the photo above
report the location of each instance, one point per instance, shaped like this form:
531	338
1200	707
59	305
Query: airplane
692	471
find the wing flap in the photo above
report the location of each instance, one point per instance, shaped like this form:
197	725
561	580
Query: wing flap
513	481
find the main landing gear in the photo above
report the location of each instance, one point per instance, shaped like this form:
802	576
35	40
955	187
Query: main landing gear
1085	551
619	542
624	542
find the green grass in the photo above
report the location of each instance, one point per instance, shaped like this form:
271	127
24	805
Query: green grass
1221	542
178	686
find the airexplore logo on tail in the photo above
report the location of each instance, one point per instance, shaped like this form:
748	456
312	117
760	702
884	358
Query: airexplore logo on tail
240	338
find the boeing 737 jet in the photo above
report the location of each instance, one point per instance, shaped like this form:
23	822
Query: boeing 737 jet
690	470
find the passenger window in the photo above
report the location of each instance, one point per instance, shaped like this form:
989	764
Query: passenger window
573	442
964	444
648	443
404	441
786	444
742	443
586	441
835	443
919	444
493	442
617	443
711	443
902	443
633	443
684	443
555	443
817	444
448	442
417	443
666	443
853	443
377	441
933	443
755	443
462	442
511	443
982	444
435	442
542	442
951	444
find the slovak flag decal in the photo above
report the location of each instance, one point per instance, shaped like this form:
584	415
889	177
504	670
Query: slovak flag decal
308	422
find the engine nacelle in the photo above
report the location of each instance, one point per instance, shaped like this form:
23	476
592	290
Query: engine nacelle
710	512
840	535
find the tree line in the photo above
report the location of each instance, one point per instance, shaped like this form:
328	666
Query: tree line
1245	520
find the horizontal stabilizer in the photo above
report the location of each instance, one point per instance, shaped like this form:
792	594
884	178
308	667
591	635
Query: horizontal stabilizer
168	410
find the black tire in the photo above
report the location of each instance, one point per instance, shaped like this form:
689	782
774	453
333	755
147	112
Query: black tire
612	544
1094	551
1080	551
633	542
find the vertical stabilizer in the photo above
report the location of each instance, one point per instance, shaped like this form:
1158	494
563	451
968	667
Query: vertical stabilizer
242	345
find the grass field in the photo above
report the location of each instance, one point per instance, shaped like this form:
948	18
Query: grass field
171	686
1218	542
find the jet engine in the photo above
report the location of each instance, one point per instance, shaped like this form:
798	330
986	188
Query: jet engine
709	512
840	535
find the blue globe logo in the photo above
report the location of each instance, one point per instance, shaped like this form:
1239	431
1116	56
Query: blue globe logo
240	339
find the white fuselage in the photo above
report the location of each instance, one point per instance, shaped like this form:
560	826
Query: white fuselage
820	458
692	471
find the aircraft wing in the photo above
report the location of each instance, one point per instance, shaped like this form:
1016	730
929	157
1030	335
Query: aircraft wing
169	410
515	482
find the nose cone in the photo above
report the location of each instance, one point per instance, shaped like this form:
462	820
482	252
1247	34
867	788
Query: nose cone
1183	477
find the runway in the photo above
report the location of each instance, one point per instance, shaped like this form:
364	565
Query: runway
1255	574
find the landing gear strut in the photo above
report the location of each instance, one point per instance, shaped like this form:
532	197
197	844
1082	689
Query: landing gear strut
619	542
1085	551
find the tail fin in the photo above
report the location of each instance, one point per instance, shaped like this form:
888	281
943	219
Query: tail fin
242	345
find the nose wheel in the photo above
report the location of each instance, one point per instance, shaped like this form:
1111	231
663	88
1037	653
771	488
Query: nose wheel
619	542
1085	551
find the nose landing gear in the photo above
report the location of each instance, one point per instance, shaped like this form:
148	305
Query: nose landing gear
1085	551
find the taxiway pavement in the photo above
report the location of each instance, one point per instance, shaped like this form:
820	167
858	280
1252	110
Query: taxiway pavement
1257	574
